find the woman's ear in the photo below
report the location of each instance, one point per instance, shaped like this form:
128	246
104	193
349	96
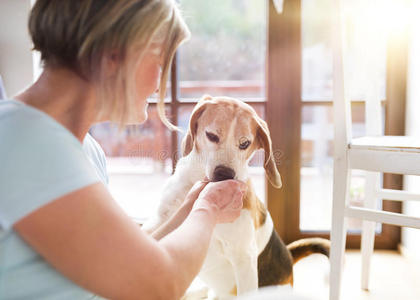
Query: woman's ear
189	139
264	140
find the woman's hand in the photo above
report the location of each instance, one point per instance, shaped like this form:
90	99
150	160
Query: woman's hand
222	199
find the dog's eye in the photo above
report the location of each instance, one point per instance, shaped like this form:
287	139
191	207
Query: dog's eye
212	137
244	145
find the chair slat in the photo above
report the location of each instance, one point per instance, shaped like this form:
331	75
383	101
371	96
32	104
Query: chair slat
395	162
382	217
397	195
387	142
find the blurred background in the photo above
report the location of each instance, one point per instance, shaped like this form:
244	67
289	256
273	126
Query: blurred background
281	64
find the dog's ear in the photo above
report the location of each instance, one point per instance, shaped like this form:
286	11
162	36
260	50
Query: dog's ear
188	142
264	140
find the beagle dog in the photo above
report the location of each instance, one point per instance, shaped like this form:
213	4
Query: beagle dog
223	134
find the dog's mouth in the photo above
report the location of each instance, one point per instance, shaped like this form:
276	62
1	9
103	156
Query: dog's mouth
222	173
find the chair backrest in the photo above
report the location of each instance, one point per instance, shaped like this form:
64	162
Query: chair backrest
372	45
341	103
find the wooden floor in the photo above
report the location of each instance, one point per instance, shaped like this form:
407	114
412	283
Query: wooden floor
393	277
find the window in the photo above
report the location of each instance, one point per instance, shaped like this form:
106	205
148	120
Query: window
226	55
281	65
317	117
299	46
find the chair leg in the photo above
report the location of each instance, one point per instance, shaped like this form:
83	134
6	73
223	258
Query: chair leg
368	239
338	230
368	229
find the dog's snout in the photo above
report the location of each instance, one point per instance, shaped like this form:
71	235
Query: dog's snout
223	173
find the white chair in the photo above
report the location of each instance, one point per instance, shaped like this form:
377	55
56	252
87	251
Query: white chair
375	154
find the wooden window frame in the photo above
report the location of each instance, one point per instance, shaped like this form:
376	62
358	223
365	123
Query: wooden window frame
283	108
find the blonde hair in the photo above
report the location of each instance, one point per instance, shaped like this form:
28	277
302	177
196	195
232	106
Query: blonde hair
82	35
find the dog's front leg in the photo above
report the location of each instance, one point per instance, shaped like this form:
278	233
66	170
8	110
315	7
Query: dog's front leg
242	252
245	268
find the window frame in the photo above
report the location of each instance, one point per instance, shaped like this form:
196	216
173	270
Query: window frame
283	105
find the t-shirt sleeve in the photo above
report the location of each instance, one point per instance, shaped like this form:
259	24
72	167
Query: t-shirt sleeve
96	156
37	166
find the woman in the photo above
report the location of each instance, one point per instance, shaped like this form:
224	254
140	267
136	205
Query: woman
63	236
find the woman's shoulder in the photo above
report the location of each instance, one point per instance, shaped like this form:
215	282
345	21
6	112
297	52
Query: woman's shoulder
40	159
21	124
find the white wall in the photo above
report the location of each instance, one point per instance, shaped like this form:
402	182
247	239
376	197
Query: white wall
411	237
16	60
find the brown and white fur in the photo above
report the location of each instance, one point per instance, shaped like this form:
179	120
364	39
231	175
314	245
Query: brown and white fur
223	134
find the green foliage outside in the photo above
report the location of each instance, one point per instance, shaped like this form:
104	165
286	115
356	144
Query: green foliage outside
228	40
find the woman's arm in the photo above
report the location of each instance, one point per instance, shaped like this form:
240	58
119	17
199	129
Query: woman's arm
89	239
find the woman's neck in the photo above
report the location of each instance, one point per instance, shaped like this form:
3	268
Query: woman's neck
66	97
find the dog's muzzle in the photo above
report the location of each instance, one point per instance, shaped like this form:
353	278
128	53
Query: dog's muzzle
222	173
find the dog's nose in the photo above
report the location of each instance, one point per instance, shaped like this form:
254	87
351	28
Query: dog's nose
223	173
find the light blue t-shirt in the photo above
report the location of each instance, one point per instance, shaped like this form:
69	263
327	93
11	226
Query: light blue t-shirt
40	161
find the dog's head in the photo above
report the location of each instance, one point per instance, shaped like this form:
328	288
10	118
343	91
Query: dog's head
226	132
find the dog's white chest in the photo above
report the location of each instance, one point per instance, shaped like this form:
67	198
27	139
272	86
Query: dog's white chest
233	254
229	242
